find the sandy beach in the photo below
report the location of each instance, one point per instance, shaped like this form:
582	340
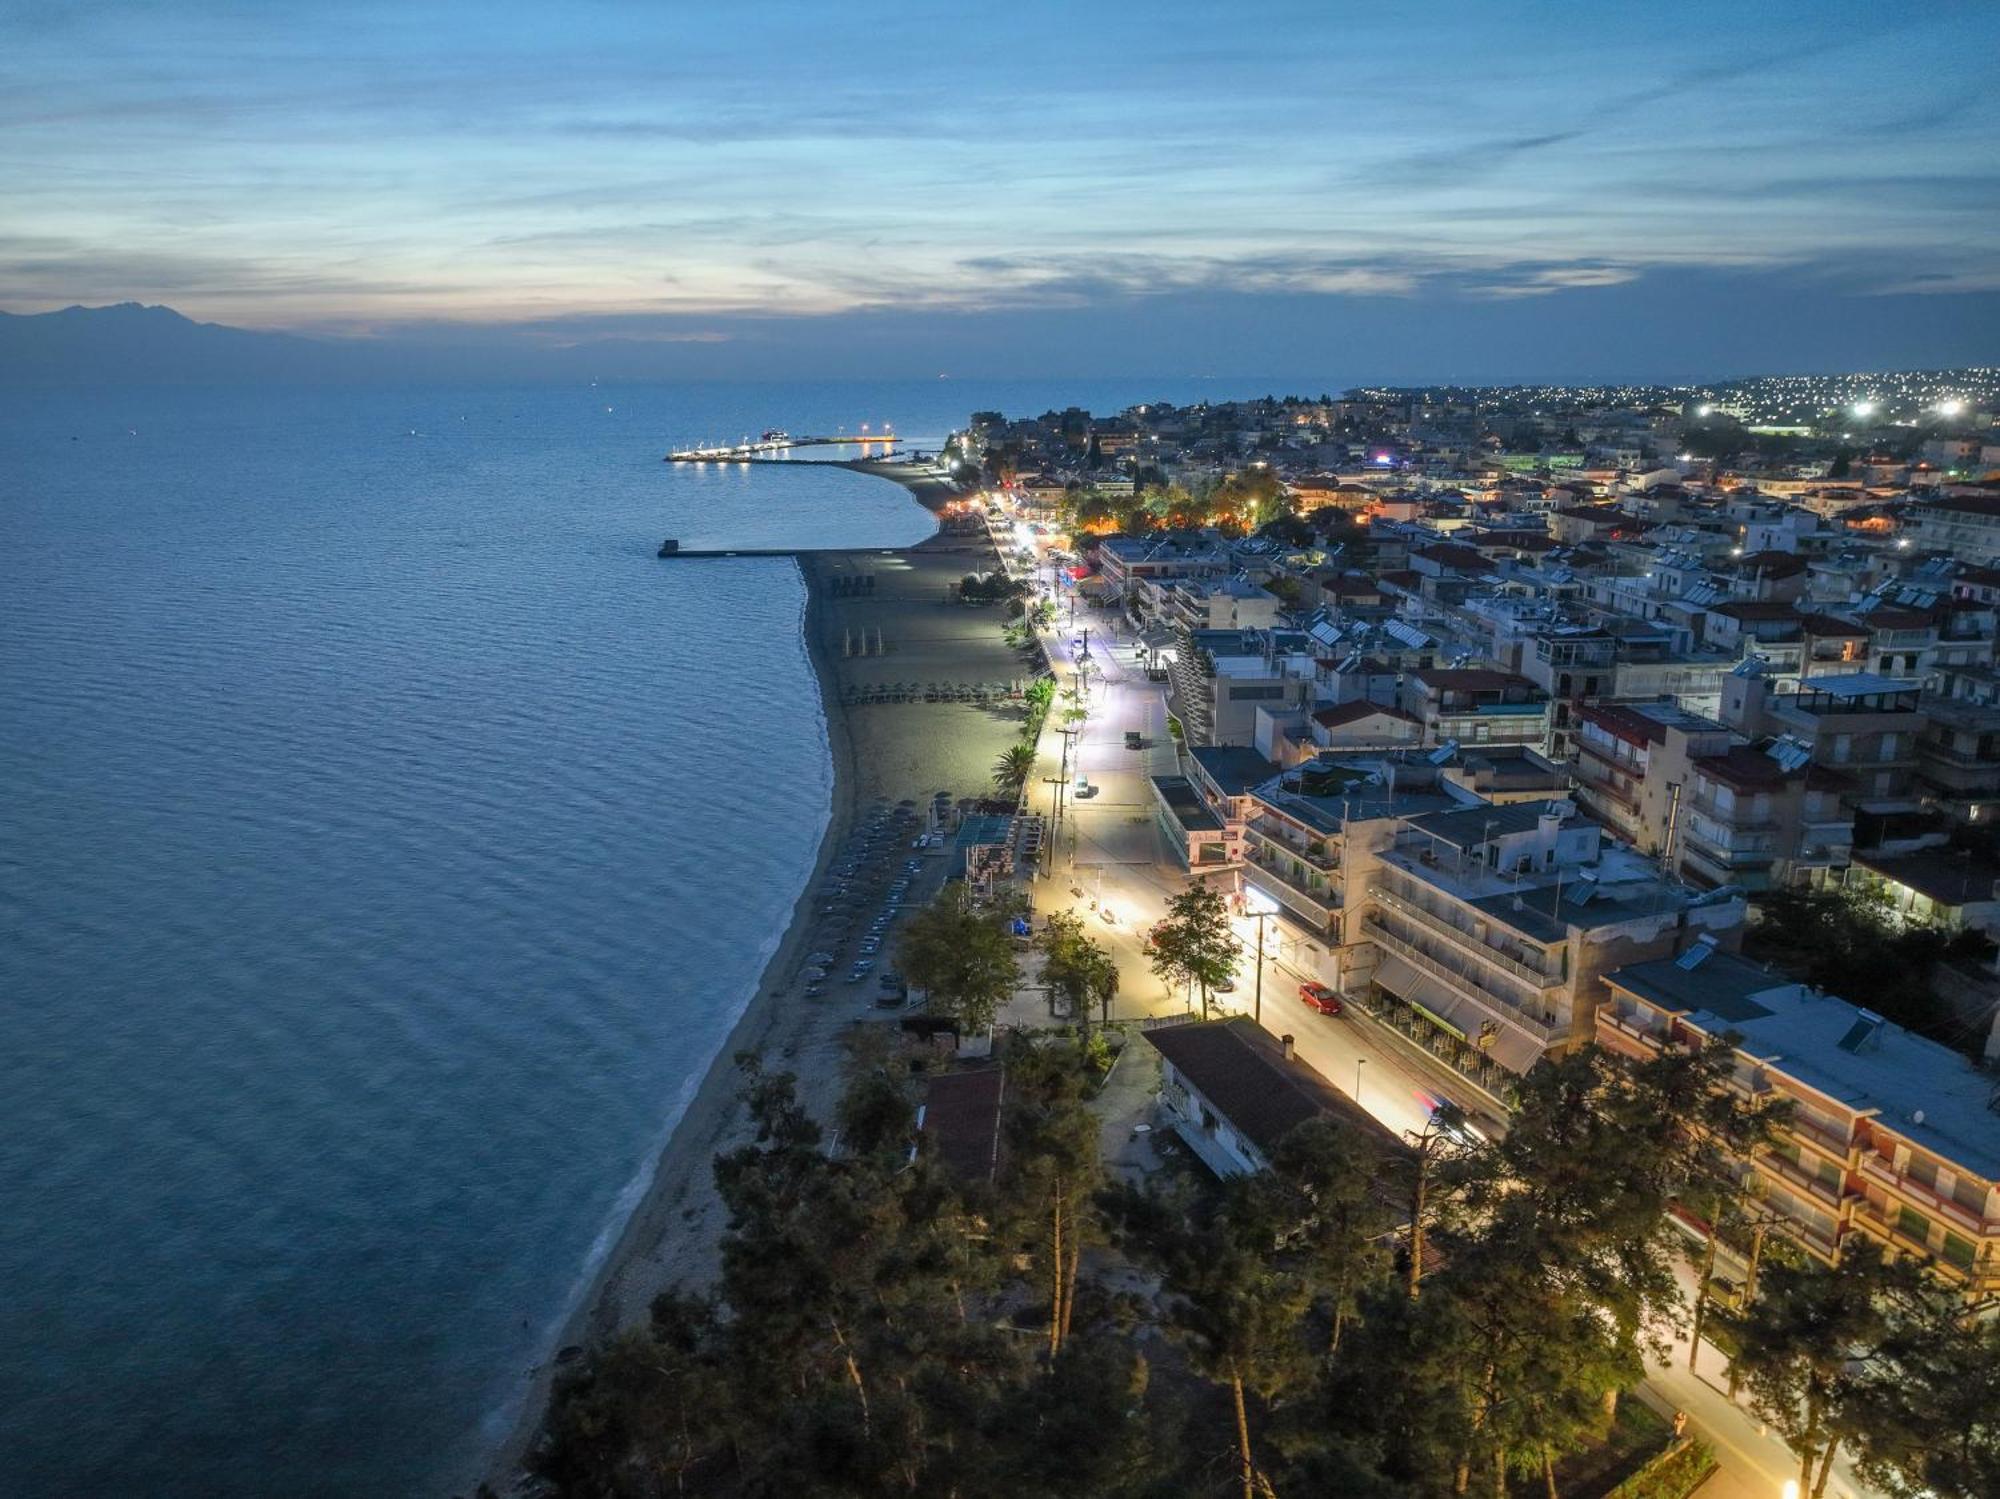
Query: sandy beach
884	753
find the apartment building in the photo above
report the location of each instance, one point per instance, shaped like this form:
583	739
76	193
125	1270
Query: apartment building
1860	725
1760	817
1966	525
1296	838
1217	603
1122	560
1476	705
1958	754
1222	677
1485	932
1632	765
1892	1137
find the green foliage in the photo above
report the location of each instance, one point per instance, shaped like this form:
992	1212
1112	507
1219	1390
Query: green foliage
1877	1357
1674	1474
1077	969
881	1328
1851	944
990	588
962	957
1015	765
1194	944
1805	1343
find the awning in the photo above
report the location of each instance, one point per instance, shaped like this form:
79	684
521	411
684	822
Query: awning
1510	1046
1077	574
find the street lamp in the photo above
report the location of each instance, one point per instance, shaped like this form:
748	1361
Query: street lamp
1262	909
1359	1063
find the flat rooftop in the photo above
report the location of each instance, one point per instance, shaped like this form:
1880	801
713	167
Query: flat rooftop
1836	1048
1618	886
1188	808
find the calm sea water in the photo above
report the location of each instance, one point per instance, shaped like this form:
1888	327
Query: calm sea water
387	843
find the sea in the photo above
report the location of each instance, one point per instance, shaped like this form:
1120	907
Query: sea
388	842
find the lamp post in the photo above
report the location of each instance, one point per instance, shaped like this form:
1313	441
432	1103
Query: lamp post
1261	918
1260	908
1359	1063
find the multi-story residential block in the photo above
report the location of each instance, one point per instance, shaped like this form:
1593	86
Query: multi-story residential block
1714	810
1222	677
1476	705
1122	560
1958	755
1966	524
1216	603
1892	1137
1632	765
1761	817
1485	932
1863	726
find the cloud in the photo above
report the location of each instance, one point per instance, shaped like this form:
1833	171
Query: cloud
1554	279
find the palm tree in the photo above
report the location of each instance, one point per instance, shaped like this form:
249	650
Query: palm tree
1012	769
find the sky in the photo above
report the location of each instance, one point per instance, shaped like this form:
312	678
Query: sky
1453	190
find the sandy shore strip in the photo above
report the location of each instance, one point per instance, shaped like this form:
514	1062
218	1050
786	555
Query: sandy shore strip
883	754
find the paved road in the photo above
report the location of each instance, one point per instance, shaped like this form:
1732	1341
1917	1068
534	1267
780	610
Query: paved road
1104	852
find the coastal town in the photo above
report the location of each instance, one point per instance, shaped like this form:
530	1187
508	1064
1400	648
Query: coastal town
1373	763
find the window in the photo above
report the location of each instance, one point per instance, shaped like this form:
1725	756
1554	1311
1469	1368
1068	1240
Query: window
1958	1251
1913	1224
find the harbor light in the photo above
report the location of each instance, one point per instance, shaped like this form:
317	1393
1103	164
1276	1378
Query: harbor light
1704	411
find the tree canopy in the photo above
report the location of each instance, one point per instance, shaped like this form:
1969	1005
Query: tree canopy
960	955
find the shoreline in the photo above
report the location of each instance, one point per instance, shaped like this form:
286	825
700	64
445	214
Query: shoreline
672	1234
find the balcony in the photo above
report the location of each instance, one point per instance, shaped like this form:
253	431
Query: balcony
1836	1147
1930	750
1798	1178
1319	907
1527	973
1462	984
1728	858
1636	1034
1635	766
1734	818
1598	784
1949	1209
1283	847
1877	1223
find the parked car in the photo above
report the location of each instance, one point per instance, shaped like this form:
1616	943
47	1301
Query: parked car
1320	998
1134	739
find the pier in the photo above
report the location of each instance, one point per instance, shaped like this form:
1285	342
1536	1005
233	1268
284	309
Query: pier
674	551
745	452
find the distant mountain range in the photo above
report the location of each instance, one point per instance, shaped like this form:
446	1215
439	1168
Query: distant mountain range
130	343
134	344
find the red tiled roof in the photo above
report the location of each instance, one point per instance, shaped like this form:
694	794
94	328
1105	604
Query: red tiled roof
1772	564
1623	723
1757	609
1827	625
962	1120
1470	679
1742	768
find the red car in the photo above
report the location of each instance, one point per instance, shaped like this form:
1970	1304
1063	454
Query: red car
1320	998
